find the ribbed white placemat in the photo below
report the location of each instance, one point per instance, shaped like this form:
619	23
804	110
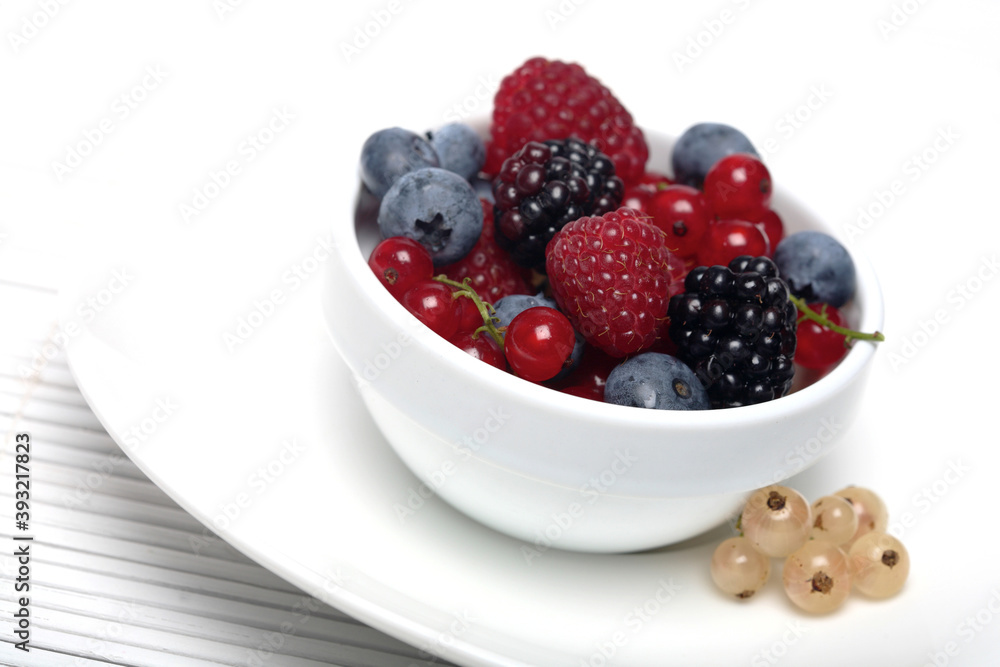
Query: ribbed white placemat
119	574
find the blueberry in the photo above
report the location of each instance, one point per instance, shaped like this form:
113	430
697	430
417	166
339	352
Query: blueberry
816	267
509	306
513	304
459	148
574	357
657	381
701	146
388	154
435	207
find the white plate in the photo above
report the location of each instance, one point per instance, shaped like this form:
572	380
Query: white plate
269	444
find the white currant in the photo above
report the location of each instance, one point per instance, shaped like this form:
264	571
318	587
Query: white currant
834	520
817	577
777	520
871	510
738	568
880	564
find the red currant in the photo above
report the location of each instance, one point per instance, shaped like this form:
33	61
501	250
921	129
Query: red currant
481	346
654	180
469	318
638	195
770	223
738	183
727	239
399	262
819	348
682	213
433	303
539	343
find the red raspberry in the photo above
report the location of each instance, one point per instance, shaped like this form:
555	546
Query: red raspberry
613	276
494	274
549	99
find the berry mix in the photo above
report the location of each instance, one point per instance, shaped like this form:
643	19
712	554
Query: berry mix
828	549
552	250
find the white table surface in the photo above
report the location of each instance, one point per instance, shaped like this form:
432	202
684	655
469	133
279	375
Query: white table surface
882	116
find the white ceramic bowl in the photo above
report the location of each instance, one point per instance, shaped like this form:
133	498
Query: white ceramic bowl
558	471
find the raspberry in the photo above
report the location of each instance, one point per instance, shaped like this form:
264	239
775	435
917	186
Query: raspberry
545	185
493	273
735	327
613	276
546	99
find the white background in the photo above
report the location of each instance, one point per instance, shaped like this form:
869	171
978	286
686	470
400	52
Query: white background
849	101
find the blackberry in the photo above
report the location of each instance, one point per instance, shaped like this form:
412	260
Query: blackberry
545	185
735	327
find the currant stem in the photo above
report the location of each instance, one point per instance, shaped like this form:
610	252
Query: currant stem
821	319
465	289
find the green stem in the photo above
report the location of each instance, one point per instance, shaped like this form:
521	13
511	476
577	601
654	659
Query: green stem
464	289
821	319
